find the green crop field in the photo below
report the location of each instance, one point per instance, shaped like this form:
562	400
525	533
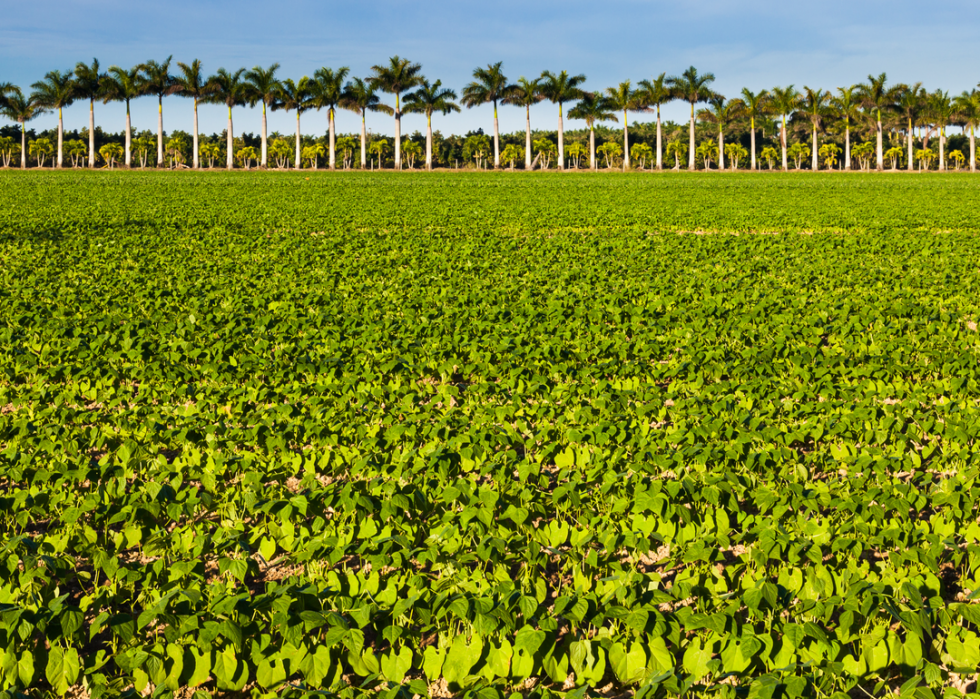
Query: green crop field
311	434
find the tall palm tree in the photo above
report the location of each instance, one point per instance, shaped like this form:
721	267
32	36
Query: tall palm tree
263	87
655	93
845	106
7	90
157	80
877	98
525	93
591	108
756	105
623	98
968	109
560	88
942	110
429	98
785	101
327	92
692	87
295	95
490	85
396	77
191	83
231	90
89	84
721	114
21	109
911	103
56	91
362	98
815	104
124	86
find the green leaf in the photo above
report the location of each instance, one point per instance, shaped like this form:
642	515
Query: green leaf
461	658
432	660
62	669
697	655
229	671
628	665
394	666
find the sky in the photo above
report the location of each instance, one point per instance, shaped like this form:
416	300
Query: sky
751	43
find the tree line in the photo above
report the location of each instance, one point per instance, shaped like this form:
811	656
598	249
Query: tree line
871	110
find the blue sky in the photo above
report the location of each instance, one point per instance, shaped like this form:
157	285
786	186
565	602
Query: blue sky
750	43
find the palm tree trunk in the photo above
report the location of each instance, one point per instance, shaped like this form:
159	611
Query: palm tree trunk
299	159
496	139
91	133
880	162
592	163
690	155
752	140
23	146
561	139
265	138
363	140
942	148
910	167
197	158
332	141
61	139
230	159
129	137
814	164
721	150
626	144
660	157
847	144
527	141
428	144
782	143
973	150
160	131
398	134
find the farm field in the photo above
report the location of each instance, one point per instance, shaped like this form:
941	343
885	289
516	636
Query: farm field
311	434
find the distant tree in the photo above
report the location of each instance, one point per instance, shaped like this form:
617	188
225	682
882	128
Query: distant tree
735	152
312	153
21	109
210	152
968	108
411	150
477	148
380	148
511	154
398	76
546	150
925	156
280	150
641	152
192	83
262	86
525	93
942	109
175	147
863	152
623	98
912	102
721	114
295	95
429	98
785	101
157	80
679	150
90	85
878	99
560	88
655	93
362	98
707	151
246	155
40	150
797	152
829	153
489	86
815	104
692	87
846	108
610	151
346	145
110	153
56	91
229	89
957	157
143	146
77	151
327	91
593	107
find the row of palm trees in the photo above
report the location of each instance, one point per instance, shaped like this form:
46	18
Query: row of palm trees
875	101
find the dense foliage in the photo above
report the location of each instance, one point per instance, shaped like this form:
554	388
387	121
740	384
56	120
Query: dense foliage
444	435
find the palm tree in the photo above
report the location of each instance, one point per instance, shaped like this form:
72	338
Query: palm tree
785	101
56	91
815	104
263	87
231	90
877	98
755	105
361	98
655	93
327	92
721	114
845	106
591	108
7	90
21	109
191	83
525	93
395	78
625	99
693	88
429	98
295	95
942	109
912	101
490	85
560	88
157	80
968	108
124	86
89	84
